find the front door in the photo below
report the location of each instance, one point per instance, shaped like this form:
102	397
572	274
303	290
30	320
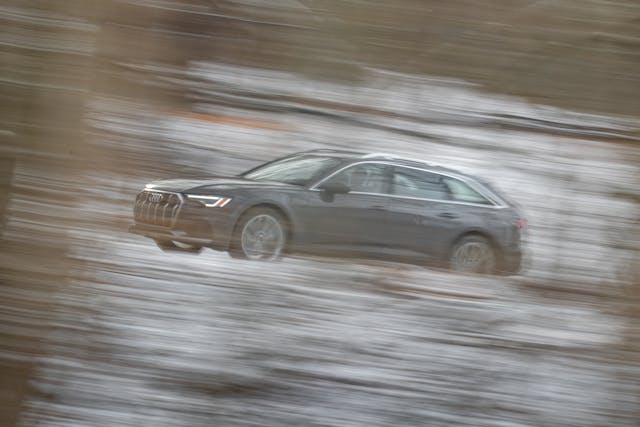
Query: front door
355	221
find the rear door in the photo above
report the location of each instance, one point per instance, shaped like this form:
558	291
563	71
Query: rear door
421	219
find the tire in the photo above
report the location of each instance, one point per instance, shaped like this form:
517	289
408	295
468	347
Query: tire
260	234
473	254
170	245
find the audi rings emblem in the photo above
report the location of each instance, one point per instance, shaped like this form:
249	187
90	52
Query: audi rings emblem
155	197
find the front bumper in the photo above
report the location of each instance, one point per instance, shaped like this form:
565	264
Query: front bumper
165	234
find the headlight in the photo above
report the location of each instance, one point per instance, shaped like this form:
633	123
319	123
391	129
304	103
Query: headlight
209	201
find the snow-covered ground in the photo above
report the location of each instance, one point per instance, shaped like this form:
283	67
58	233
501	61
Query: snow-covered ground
564	182
159	339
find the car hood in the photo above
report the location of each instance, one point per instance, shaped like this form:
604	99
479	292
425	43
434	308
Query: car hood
212	183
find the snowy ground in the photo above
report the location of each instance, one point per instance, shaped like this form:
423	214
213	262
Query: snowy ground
155	339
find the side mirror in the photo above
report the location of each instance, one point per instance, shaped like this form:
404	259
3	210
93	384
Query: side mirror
335	188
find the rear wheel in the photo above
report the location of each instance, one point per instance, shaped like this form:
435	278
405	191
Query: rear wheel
259	235
473	254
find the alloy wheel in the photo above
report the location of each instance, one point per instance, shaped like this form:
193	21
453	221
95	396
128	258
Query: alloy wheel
262	237
473	256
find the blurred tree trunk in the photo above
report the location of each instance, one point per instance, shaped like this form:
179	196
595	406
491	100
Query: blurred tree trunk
62	55
43	83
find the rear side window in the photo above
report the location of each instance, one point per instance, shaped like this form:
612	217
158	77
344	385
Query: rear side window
461	192
417	183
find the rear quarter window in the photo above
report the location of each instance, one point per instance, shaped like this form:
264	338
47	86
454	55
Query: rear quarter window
462	192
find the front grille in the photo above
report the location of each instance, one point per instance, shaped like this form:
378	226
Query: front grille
157	208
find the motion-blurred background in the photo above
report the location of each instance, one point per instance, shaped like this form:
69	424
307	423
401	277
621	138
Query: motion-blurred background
100	328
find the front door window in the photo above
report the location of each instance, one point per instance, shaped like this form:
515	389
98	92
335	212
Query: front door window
363	178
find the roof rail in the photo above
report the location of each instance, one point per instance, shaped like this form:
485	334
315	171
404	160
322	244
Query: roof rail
383	155
333	150
389	156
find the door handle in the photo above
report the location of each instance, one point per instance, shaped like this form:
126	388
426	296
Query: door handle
378	207
447	215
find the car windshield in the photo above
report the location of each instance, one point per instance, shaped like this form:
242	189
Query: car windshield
301	170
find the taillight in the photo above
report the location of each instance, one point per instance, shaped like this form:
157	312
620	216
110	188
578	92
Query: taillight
521	224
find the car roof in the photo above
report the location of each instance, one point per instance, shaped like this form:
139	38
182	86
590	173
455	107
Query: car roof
358	156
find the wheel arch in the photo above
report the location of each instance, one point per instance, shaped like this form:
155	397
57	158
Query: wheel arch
270	205
480	233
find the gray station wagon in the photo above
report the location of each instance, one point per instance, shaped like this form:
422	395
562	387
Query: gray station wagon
339	203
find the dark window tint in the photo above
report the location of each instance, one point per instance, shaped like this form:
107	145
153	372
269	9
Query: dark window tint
417	183
364	178
461	192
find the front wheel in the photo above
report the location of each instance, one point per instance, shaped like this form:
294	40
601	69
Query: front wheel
259	235
473	254
171	245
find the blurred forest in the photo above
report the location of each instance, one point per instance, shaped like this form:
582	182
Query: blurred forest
62	58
